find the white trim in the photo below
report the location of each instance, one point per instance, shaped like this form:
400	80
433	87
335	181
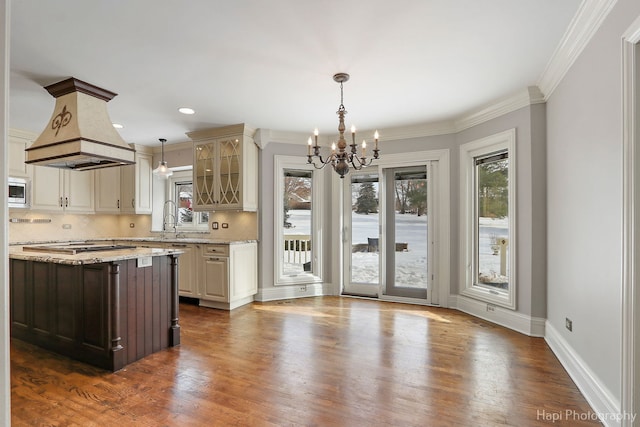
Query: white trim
281	163
630	294
525	324
602	401
5	365
468	153
293	291
583	26
22	134
529	96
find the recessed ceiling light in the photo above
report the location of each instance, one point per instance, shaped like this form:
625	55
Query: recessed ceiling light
185	110
117	125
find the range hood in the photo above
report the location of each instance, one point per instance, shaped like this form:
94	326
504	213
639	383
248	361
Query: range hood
80	135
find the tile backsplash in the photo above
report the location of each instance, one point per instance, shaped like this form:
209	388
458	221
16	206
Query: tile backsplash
241	226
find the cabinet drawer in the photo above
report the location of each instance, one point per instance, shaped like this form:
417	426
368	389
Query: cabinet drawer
215	250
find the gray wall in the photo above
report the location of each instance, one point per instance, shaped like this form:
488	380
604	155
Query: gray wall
584	164
529	123
530	133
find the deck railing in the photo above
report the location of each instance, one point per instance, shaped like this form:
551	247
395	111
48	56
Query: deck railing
297	248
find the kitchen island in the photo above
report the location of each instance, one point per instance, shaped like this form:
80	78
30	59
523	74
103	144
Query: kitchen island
104	306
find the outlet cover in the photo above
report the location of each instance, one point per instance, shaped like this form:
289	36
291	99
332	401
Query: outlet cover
569	324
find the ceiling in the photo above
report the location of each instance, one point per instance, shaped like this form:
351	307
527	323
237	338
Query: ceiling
270	63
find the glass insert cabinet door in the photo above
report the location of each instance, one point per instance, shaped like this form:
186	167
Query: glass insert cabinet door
218	174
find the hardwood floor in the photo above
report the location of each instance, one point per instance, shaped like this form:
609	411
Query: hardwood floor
323	361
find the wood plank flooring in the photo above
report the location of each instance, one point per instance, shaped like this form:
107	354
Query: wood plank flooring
325	361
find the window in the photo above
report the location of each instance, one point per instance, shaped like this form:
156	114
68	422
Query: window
488	218
297	217
180	202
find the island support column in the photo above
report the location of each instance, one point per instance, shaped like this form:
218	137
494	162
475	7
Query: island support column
117	353
174	332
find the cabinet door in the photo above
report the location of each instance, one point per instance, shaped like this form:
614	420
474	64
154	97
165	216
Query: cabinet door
107	190
187	285
79	191
143	181
229	174
204	170
47	189
17	167
136	195
127	189
215	278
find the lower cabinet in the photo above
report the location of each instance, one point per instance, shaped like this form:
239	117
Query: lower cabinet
228	275
223	276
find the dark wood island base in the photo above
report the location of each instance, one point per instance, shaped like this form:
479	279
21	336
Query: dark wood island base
107	314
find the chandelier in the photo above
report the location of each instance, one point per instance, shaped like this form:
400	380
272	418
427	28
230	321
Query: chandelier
341	159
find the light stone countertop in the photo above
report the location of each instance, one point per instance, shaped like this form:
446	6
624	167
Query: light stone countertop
172	239
96	257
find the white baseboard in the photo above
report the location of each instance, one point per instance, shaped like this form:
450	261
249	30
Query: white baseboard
598	396
293	291
532	326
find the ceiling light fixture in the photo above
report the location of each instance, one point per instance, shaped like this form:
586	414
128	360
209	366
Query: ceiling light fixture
162	170
185	110
341	159
117	125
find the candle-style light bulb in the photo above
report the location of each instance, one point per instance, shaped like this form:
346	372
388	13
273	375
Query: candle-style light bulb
309	142
353	134
376	136
315	134
333	147
364	148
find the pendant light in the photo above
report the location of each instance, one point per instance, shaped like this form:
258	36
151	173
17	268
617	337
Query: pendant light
162	170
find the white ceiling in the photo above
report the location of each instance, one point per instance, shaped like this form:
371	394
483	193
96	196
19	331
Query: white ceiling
270	63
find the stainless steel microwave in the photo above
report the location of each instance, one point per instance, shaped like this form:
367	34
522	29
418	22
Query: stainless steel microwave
18	193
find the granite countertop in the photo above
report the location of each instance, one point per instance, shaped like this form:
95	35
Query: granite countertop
172	239
96	257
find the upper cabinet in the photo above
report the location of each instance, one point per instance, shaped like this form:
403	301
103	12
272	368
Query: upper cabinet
107	190
225	169
62	190
135	183
18	142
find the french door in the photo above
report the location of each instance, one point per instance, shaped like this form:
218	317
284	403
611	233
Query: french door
389	218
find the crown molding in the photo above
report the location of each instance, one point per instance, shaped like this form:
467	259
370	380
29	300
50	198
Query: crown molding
529	96
583	26
22	134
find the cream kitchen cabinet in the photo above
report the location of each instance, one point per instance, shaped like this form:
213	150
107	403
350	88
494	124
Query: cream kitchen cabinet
187	269
135	183
225	169
60	190
18	142
107	190
228	275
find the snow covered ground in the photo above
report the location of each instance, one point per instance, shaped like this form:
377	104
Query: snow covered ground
411	265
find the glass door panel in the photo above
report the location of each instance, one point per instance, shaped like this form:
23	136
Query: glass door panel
365	226
406	248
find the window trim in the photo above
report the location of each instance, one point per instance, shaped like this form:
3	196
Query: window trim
468	153
177	177
281	163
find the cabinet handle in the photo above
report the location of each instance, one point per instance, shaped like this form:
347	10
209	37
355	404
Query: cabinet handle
66	202
175	245
60	201
133	203
118	204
